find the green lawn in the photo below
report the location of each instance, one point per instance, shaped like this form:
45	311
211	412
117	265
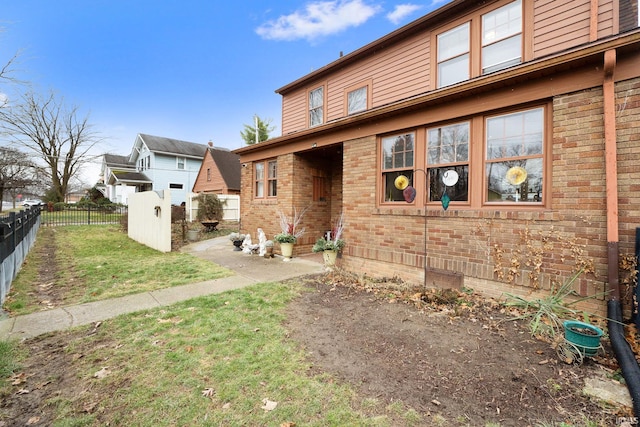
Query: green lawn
90	263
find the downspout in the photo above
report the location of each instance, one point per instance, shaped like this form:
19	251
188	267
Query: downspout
622	350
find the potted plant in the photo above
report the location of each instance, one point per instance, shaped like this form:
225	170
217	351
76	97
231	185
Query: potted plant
331	244
290	232
236	239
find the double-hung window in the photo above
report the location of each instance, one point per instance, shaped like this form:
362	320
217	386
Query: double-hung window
502	37
265	179
180	163
491	40
514	156
316	106
448	150
453	55
397	159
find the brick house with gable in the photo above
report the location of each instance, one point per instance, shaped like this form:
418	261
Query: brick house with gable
480	88
219	172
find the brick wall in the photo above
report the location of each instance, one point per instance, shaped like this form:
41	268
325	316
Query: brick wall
505	251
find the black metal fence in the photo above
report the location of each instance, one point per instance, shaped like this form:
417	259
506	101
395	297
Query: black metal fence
17	235
83	215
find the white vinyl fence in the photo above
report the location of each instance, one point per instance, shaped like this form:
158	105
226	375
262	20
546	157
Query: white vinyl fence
149	219
231	208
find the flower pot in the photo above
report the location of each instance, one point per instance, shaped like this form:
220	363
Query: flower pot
237	244
584	336
329	257
287	250
192	235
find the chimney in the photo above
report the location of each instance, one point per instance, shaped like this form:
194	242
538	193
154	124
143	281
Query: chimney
210	143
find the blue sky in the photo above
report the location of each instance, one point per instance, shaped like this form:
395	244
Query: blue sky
195	70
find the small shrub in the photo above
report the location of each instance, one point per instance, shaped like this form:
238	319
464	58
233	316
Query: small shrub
209	207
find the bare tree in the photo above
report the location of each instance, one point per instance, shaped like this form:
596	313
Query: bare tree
58	136
17	173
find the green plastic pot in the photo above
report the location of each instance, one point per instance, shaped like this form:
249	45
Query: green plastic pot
584	336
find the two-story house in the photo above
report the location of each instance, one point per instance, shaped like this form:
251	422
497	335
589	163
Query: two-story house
155	163
520	117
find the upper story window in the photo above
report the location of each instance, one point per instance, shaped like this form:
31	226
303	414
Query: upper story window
397	159
357	100
453	55
180	163
502	37
316	106
265	177
487	42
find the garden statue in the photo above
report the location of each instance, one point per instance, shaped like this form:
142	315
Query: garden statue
246	244
262	242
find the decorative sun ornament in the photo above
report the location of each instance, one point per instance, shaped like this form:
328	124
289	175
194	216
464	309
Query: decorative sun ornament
516	175
401	182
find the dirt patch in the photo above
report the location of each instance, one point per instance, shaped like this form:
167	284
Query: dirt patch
453	363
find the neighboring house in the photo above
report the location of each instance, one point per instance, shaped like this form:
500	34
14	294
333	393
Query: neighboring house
550	90
219	172
155	163
121	178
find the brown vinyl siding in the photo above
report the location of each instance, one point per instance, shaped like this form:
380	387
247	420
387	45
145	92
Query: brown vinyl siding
294	112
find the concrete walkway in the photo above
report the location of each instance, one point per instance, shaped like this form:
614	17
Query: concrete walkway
249	269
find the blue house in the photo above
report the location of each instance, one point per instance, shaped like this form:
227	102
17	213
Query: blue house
156	163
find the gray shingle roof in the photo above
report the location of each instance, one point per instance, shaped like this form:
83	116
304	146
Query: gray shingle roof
228	164
172	146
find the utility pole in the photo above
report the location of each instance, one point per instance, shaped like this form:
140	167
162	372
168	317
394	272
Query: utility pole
257	134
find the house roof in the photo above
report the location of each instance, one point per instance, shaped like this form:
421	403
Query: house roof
228	164
159	144
117	161
128	177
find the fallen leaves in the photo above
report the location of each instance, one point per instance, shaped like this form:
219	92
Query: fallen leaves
208	392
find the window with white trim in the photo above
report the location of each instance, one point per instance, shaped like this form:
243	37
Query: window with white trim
180	163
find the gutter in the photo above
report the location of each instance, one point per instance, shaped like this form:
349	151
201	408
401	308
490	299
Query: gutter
621	348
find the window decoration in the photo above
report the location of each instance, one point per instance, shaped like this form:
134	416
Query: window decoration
397	159
514	159
447	153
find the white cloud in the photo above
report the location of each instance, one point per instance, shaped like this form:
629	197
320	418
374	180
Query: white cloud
317	19
401	11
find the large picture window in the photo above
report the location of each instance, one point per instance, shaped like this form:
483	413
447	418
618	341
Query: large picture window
397	159
514	157
448	149
498	159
